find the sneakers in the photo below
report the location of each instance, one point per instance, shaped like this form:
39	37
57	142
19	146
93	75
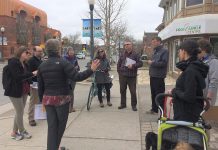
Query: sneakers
16	136
109	104
26	135
151	112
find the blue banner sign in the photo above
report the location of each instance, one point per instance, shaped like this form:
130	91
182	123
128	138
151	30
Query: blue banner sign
96	28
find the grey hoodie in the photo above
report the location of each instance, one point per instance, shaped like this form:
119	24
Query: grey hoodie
212	79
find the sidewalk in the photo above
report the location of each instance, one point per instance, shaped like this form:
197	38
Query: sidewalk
102	128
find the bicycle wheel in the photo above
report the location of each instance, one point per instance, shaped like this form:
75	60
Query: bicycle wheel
90	97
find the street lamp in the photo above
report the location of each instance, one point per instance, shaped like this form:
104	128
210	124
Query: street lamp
2	32
91	7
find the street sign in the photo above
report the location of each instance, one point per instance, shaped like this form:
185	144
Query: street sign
96	28
4	41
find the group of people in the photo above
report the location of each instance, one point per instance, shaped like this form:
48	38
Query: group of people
198	77
57	77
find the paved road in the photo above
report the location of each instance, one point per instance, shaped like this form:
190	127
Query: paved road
5	99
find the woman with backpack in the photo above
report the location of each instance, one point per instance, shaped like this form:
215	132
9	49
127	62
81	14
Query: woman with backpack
18	89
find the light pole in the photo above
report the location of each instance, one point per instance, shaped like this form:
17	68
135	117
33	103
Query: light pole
91	7
2	32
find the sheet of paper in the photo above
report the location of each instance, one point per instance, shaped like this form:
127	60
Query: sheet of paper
40	112
129	61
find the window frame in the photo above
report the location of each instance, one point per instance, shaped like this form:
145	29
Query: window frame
212	44
175	52
215	2
203	2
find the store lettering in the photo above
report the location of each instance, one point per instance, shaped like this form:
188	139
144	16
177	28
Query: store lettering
190	29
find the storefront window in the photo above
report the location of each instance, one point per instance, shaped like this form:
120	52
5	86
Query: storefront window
175	53
215	1
214	42
193	2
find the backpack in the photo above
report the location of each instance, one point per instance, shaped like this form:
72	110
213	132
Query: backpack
6	77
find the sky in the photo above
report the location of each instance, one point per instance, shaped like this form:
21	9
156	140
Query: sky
67	15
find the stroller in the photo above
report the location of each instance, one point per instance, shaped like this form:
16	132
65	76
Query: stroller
171	132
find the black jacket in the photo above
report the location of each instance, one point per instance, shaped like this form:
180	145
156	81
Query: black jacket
189	86
158	68
53	76
34	63
18	75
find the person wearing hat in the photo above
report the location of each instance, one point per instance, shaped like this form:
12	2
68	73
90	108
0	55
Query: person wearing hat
54	91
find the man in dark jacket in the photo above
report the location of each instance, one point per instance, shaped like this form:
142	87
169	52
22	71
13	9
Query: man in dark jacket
127	68
157	72
34	63
54	91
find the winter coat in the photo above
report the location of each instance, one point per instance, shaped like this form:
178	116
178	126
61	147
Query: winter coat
158	67
102	73
53	76
212	78
189	86
18	75
34	63
124	70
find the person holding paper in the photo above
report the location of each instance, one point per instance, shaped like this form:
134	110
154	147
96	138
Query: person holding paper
34	63
127	68
157	72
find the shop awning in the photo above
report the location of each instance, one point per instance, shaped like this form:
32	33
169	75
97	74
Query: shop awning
202	24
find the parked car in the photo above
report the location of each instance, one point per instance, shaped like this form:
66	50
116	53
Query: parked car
144	57
80	55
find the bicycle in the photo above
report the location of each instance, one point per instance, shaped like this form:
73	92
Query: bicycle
93	91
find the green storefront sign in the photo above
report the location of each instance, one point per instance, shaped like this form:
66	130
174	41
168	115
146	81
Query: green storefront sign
190	29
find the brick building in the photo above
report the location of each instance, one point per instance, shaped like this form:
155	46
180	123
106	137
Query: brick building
188	19
148	36
24	25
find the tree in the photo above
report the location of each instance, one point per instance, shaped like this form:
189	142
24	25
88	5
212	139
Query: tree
110	12
72	40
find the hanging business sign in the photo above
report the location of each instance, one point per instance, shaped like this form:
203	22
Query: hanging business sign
96	28
4	41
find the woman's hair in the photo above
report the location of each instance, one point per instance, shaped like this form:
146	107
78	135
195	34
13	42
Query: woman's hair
98	53
20	51
205	45
191	47
183	146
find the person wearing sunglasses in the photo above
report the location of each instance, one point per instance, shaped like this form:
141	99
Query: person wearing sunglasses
102	77
19	89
